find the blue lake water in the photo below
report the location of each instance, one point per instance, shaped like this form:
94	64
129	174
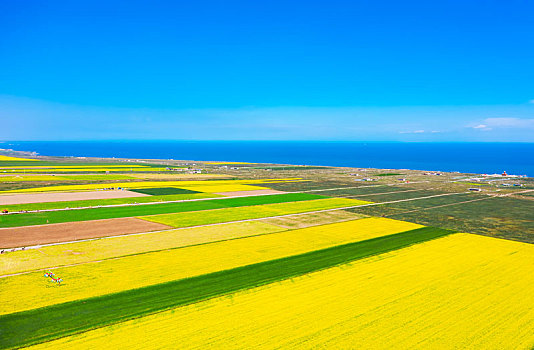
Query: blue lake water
515	158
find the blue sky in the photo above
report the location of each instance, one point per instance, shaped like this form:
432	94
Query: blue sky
267	70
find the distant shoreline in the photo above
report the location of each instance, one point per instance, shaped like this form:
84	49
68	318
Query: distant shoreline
515	158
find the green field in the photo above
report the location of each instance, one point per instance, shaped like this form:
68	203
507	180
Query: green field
388	174
44	324
502	217
163	191
51	217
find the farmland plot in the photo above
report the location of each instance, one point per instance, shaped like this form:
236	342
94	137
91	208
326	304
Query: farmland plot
87	251
111	276
215	185
52	217
460	291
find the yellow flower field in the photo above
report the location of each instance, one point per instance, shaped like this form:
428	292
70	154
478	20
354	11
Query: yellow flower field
68	166
9	159
105	248
17	178
458	292
205	217
175	175
114	275
79	170
211	185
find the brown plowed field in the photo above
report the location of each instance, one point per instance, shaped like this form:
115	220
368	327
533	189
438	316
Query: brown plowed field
25	198
71	231
249	193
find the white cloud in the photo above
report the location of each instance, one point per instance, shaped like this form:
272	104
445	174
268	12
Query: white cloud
480	126
412	132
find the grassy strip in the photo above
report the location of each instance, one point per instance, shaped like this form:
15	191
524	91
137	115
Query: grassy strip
109	201
160	191
45	324
388	174
30	219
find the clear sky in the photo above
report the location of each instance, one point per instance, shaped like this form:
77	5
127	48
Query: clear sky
267	70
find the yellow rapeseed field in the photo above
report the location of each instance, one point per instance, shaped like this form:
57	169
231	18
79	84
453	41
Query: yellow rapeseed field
205	217
17	178
114	275
105	248
458	292
6	158
174	175
80	170
72	166
214	185
68	166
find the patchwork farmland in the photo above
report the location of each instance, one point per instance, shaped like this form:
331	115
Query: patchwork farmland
102	254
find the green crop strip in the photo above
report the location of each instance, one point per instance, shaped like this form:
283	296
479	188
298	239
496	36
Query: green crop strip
45	324
51	217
